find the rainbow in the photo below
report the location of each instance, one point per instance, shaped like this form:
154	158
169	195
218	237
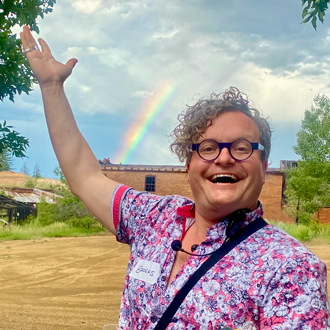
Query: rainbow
150	111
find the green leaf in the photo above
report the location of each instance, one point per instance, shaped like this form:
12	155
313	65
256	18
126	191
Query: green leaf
321	15
314	22
304	13
15	74
307	19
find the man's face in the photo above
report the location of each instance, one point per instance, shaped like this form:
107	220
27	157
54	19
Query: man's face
215	198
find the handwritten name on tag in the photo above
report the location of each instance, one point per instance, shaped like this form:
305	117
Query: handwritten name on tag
146	271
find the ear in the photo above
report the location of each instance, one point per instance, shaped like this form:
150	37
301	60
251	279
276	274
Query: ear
265	166
188	165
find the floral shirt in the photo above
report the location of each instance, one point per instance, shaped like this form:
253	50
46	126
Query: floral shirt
269	281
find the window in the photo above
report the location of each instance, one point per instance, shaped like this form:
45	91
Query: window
150	183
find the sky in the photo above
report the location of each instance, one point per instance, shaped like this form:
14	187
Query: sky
142	61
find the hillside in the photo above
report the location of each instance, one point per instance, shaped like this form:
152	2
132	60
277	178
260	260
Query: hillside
13	179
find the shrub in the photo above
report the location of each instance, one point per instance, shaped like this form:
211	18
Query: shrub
314	232
68	209
28	220
87	222
30	183
34	230
46	213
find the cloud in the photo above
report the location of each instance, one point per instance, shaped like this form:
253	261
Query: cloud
128	50
87	6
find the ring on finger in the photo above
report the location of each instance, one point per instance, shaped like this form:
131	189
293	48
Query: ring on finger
30	49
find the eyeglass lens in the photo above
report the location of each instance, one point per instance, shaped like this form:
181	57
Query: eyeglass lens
240	149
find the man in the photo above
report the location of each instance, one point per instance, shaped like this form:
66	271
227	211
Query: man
268	281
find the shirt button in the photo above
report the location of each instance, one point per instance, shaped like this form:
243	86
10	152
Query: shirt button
163	278
153	319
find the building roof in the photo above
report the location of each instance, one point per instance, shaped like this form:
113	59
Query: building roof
274	170
159	168
146	168
31	195
6	202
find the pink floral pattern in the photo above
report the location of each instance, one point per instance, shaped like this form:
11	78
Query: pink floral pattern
269	281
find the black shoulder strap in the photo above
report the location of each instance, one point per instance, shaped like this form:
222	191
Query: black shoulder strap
248	230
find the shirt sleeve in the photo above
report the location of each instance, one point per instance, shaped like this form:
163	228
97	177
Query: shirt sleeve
296	297
116	201
129	210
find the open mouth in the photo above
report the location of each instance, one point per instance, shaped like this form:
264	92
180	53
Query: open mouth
224	178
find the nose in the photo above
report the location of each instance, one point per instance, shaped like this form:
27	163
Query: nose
224	158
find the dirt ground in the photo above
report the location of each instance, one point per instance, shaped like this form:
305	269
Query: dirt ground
68	283
61	283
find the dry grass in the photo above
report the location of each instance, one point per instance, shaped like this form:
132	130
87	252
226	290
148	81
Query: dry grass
13	179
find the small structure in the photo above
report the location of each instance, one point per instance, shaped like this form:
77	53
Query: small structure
18	203
31	196
15	210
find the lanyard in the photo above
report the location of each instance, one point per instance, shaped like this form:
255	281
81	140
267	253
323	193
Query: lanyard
225	248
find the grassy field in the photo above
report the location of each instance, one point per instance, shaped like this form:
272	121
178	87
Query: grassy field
313	234
34	230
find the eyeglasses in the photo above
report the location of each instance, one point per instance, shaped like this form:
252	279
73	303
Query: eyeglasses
240	149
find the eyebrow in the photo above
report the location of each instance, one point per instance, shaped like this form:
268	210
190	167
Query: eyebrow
250	139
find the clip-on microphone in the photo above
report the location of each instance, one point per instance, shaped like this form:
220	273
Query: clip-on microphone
236	220
177	246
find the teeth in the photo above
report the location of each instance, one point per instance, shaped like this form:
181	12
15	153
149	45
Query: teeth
216	176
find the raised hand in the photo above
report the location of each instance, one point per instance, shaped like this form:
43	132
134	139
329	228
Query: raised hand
43	65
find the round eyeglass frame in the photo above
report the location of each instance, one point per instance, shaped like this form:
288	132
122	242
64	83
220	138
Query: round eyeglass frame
228	145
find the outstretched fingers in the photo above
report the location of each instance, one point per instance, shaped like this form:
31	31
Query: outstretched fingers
44	67
71	63
27	38
44	47
24	40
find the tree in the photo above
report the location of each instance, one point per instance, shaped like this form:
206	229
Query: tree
313	139
12	141
308	185
313	10
25	169
58	172
36	172
6	161
15	74
306	192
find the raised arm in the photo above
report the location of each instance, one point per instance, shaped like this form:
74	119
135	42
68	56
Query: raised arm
75	157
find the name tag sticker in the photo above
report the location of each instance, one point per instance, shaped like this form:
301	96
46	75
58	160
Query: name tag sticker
146	271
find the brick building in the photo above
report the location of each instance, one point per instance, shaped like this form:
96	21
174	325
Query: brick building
172	180
323	215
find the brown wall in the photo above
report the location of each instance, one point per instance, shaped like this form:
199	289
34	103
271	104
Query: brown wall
167	183
175	183
324	215
271	198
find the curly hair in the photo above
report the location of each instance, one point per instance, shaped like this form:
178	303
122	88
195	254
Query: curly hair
198	117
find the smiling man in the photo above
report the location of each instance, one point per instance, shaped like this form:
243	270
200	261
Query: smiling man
267	281
224	179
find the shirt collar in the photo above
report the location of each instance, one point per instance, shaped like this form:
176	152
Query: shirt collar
218	229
